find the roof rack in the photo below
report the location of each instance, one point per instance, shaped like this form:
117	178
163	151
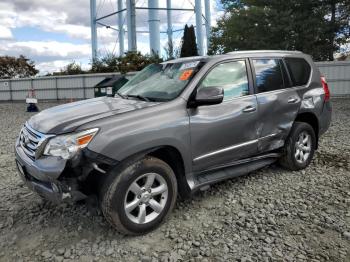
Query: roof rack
265	51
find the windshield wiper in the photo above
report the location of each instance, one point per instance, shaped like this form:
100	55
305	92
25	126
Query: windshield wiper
120	95
143	98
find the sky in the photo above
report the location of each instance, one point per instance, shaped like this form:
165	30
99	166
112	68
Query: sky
54	33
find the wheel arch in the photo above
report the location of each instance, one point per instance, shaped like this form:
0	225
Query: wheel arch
174	159
311	119
170	155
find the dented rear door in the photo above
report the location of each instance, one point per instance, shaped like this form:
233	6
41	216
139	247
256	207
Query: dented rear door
278	104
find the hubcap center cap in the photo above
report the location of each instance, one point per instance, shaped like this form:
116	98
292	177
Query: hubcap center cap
145	197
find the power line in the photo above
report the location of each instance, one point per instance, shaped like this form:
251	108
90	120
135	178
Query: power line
99	7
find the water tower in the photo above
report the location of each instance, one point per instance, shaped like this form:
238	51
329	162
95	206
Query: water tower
154	32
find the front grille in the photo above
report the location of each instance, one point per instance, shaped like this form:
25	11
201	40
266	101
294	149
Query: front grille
31	141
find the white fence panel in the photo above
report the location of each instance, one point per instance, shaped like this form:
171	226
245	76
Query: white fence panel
337	75
55	87
81	86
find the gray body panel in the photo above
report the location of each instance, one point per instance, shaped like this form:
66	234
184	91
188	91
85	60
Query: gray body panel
276	117
206	136
67	117
216	132
165	124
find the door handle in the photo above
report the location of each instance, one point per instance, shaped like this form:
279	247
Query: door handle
249	109
292	100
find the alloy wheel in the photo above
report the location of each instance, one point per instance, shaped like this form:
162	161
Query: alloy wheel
303	147
146	198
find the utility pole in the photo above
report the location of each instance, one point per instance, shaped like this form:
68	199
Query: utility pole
199	30
170	28
93	30
207	21
131	23
121	28
153	24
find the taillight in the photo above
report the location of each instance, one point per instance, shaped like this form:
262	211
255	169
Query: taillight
327	94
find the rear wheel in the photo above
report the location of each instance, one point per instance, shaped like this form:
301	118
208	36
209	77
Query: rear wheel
138	198
299	147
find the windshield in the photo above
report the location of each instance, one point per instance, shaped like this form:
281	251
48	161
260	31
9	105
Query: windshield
160	82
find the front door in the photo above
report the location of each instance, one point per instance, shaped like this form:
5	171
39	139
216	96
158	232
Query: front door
225	132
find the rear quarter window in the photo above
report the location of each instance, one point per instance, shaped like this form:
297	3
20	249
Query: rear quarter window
299	70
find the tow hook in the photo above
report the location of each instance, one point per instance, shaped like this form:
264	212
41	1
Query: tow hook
95	166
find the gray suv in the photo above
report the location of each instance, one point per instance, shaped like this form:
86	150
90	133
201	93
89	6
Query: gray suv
175	128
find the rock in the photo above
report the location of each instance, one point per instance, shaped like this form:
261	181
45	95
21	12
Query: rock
271	220
61	251
109	252
146	259
46	254
271	233
67	253
216	243
196	243
303	215
346	235
194	252
84	241
268	240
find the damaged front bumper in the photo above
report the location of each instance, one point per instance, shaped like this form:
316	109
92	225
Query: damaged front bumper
42	176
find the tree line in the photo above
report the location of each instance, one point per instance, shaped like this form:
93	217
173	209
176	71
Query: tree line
317	27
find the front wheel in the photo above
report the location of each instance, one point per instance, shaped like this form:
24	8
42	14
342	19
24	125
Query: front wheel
138	198
299	147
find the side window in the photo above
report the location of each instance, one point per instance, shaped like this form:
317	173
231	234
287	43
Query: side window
268	75
231	76
299	70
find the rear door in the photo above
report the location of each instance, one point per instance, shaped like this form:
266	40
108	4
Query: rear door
278	103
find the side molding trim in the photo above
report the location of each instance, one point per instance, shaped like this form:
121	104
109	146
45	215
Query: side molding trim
225	150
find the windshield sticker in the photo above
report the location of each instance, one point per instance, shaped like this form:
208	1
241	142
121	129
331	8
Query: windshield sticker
186	75
189	65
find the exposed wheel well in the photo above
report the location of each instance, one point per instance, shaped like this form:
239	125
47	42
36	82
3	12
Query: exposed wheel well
173	158
312	120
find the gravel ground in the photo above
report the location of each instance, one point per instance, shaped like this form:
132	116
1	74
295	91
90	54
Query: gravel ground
269	215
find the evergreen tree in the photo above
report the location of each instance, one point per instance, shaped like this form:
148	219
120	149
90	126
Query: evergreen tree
188	44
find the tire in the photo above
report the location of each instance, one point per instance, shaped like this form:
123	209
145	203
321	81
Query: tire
128	187
291	159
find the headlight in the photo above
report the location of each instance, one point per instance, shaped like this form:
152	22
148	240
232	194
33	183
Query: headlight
66	146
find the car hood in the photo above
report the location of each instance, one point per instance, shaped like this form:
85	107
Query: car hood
67	117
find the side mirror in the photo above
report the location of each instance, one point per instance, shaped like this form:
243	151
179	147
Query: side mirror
209	96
